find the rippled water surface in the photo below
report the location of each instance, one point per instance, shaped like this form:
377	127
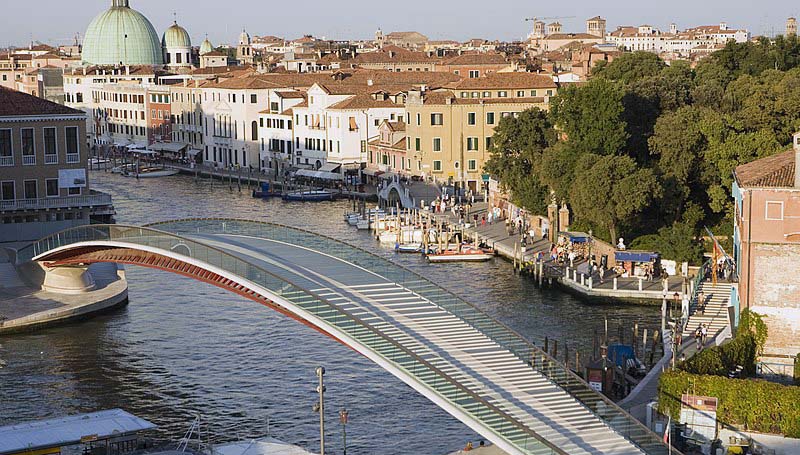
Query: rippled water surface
183	348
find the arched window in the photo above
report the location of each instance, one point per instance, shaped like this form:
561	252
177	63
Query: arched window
254	132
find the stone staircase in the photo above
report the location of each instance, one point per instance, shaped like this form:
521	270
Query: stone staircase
715	315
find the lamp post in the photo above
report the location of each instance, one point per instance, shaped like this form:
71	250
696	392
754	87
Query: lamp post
320	408
343	416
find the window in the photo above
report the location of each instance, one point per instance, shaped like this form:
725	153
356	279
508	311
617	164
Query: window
30	189
774	210
437	166
363	146
437	144
419	119
74	191
549	93
471	118
254	130
488	142
476	94
51	187
73	153
28	151
6	152
437	119
533	93
502	94
273	106
417	144
472	165
520	93
472	144
490	118
487	94
473	74
253	99
50	152
7	192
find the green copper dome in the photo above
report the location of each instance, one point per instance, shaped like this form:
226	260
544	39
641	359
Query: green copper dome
176	37
206	47
121	35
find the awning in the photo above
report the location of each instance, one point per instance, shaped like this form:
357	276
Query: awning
372	172
388	175
635	256
171	147
576	237
318	174
330	167
137	145
194	152
141	152
353	124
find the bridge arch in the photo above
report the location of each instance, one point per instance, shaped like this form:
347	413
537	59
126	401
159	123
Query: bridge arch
191	248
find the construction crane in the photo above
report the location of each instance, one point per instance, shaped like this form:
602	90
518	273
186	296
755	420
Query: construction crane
534	19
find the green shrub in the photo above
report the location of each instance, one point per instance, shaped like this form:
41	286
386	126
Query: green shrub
752	405
742	351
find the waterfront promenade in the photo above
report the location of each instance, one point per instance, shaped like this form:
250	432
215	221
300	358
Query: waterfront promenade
573	279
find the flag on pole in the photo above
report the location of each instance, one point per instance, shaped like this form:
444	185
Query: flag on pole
666	431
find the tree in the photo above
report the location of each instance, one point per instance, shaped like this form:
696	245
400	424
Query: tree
612	191
516	153
591	116
630	67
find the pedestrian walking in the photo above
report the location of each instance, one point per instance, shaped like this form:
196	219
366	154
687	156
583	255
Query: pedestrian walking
698	337
704	333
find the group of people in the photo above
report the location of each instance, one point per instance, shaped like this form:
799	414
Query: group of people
565	251
700	336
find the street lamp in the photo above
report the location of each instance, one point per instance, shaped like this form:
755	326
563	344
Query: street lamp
343	416
320	408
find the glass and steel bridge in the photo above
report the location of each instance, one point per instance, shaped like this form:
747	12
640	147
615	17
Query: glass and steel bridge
475	368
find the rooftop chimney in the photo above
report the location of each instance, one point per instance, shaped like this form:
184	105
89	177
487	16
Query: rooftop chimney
796	143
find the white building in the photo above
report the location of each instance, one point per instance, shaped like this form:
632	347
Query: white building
334	126
277	131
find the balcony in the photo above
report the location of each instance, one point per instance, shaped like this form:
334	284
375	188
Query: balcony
6	161
98	199
28	160
73	158
51	159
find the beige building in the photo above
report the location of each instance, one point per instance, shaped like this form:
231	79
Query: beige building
791	26
43	182
449	132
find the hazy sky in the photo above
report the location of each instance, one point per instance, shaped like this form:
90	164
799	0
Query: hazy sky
57	21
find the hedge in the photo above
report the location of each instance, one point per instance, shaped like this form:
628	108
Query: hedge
748	404
742	351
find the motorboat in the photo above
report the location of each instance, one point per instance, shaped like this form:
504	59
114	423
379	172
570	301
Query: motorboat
99	163
464	253
310	196
150	172
408	248
406	234
123	168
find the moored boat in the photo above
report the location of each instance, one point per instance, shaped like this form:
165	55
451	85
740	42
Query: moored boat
310	196
464	253
149	172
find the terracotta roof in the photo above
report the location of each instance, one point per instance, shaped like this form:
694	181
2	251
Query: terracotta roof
363	101
393	54
14	103
776	171
509	81
442	97
46	56
290	94
477	59
397	127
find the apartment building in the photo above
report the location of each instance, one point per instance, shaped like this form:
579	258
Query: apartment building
337	122
276	126
767	248
187	116
43	182
114	100
449	132
387	153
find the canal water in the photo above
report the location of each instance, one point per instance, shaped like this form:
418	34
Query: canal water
183	348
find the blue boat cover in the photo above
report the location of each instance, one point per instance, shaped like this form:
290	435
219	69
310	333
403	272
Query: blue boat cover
635	256
619	352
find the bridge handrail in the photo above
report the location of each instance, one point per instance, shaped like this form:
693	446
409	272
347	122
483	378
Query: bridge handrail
351	324
608	411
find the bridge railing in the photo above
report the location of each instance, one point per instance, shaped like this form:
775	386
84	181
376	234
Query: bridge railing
614	416
423	371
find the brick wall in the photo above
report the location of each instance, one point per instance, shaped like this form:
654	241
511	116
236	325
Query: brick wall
776	294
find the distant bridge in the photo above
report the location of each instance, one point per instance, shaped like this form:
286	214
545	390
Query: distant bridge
473	367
